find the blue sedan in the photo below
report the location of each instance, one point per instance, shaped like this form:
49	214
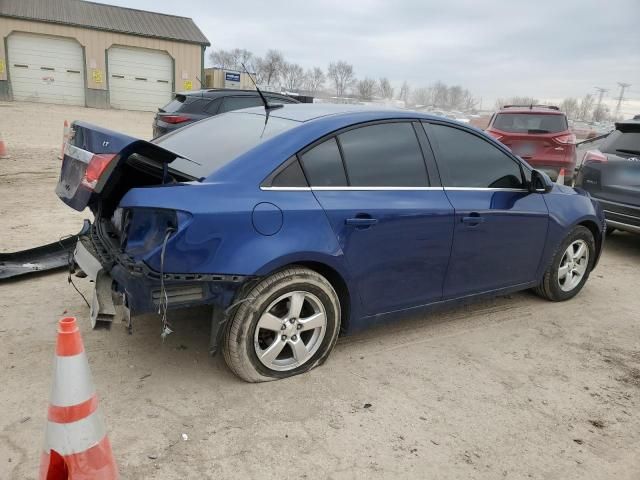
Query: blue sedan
305	221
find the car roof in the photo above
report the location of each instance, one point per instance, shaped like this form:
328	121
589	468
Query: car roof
304	112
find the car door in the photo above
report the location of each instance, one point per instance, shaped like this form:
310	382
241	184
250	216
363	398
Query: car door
500	227
393	227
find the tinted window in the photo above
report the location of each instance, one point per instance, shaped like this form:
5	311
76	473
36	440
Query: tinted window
466	160
530	123
291	176
622	142
281	100
323	165
213	106
174	105
236	103
384	155
215	141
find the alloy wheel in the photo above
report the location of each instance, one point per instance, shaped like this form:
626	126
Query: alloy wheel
573	265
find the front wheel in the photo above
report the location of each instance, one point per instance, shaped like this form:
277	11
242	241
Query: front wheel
287	324
570	266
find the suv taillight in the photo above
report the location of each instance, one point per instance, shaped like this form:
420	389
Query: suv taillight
594	156
568	139
174	118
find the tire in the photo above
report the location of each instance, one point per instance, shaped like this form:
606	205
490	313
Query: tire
557	287
299	341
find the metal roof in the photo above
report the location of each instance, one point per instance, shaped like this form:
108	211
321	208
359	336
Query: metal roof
105	17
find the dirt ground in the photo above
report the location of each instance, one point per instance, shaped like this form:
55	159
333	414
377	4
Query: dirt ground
514	387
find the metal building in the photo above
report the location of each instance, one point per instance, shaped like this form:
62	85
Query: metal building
81	53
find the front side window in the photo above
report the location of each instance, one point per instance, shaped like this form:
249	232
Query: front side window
466	160
383	155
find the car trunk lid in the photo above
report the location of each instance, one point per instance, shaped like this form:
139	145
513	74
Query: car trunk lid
100	165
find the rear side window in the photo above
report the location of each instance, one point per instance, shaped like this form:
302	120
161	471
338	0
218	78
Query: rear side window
468	161
213	106
618	142
530	123
236	103
383	155
174	105
323	165
290	176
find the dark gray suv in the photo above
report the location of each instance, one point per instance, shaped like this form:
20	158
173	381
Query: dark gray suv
189	107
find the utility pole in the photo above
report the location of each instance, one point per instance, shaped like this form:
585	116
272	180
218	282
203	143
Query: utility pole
623	87
601	92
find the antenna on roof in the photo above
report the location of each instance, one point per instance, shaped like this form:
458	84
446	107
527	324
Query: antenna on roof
267	106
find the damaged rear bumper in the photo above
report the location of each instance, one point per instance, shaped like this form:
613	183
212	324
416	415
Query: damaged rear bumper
121	280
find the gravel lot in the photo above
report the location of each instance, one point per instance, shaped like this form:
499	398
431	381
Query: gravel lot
514	387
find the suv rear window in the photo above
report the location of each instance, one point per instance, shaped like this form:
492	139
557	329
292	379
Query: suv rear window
174	105
215	141
622	142
530	123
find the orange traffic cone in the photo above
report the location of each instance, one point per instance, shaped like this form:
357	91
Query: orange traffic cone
65	138
560	179
76	443
4	153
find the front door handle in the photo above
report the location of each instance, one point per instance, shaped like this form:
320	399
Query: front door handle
473	219
361	221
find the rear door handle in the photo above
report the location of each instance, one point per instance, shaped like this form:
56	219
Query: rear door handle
473	219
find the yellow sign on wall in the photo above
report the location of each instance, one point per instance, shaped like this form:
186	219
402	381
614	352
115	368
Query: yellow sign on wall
97	75
187	85
1	65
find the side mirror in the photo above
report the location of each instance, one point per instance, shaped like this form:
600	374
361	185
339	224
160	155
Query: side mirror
540	182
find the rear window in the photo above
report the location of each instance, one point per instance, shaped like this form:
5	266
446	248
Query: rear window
530	123
214	142
622	142
174	105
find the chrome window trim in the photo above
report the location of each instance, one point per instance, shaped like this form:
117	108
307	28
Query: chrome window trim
343	189
286	189
485	189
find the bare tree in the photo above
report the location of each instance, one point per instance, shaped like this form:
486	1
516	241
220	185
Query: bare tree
341	74
405	90
601	113
268	69
586	105
468	101
570	107
221	59
422	96
384	88
292	76
501	102
455	97
366	88
440	94
314	80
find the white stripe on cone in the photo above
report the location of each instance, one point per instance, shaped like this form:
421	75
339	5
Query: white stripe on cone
75	437
72	381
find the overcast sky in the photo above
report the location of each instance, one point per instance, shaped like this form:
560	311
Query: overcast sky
547	49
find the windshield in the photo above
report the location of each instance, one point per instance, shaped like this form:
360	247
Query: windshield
530	123
214	142
622	142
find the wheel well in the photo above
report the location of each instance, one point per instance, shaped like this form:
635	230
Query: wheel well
595	231
338	284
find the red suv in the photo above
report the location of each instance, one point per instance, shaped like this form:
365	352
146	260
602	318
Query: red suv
539	134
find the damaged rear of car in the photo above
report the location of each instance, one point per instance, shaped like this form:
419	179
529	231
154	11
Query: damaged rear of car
151	246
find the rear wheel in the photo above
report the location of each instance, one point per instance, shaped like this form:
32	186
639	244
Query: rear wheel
570	266
287	324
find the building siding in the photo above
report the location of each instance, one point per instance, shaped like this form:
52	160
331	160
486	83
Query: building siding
186	56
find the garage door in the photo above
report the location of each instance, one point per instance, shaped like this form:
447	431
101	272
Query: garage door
139	79
46	69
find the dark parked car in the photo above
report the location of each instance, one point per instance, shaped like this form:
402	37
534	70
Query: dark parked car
189	107
325	218
540	135
612	175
